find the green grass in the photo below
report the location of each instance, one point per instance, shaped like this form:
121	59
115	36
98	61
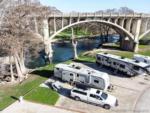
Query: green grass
42	95
67	34
143	49
8	95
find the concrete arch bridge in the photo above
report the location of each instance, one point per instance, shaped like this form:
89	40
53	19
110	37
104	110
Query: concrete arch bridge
131	27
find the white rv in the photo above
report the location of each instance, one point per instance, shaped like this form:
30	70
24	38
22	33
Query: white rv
77	74
142	58
130	67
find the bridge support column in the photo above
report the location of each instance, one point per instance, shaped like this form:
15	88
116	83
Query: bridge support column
48	46
62	22
136	32
54	25
74	44
128	24
36	25
122	22
144	26
126	43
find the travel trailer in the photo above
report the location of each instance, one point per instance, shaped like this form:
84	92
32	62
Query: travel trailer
78	74
142	58
128	66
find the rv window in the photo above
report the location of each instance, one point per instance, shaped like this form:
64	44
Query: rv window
57	68
145	61
114	63
80	92
122	66
77	75
136	68
71	74
96	81
99	58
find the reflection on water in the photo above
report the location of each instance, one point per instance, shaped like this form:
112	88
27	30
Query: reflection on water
63	51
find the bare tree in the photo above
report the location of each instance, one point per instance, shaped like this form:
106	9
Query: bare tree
17	23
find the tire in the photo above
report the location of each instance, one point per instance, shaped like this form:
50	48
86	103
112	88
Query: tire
77	98
106	106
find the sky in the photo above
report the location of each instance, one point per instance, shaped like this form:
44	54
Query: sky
95	5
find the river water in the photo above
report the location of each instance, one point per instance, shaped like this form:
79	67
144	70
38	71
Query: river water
63	51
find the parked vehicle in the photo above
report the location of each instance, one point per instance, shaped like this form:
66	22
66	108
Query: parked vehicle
94	96
56	86
77	74
142	58
128	66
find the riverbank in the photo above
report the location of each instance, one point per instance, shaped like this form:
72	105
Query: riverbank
143	49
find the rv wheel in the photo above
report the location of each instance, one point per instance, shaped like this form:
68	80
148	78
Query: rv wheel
106	106
77	98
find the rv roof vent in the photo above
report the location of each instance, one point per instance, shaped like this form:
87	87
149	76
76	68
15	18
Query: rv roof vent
78	67
122	57
136	61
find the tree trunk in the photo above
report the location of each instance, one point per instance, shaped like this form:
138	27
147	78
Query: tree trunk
74	44
22	64
20	75
11	70
49	51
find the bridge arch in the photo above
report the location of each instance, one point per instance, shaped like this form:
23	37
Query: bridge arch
144	34
113	25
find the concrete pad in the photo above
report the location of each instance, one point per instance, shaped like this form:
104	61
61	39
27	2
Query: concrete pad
29	107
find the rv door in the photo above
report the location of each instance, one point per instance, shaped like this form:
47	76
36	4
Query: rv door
68	76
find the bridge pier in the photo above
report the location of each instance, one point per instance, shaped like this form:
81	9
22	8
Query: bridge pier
136	32
47	41
126	44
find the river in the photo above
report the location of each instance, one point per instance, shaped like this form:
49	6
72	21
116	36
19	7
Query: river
63	51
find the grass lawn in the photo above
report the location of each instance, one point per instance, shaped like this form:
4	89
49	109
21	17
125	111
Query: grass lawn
90	56
43	95
9	94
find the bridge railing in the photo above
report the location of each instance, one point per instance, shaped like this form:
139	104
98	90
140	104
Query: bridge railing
100	15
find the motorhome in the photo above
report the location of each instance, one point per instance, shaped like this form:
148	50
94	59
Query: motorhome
79	74
128	66
94	96
142	58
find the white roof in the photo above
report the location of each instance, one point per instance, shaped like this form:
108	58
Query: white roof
82	70
142	56
132	61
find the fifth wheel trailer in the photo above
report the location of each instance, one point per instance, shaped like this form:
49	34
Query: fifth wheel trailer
78	74
142	58
130	67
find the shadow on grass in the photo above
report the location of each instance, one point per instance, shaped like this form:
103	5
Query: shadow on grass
14	98
111	47
43	73
81	61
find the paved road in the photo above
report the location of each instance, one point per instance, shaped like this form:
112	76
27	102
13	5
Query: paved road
143	104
